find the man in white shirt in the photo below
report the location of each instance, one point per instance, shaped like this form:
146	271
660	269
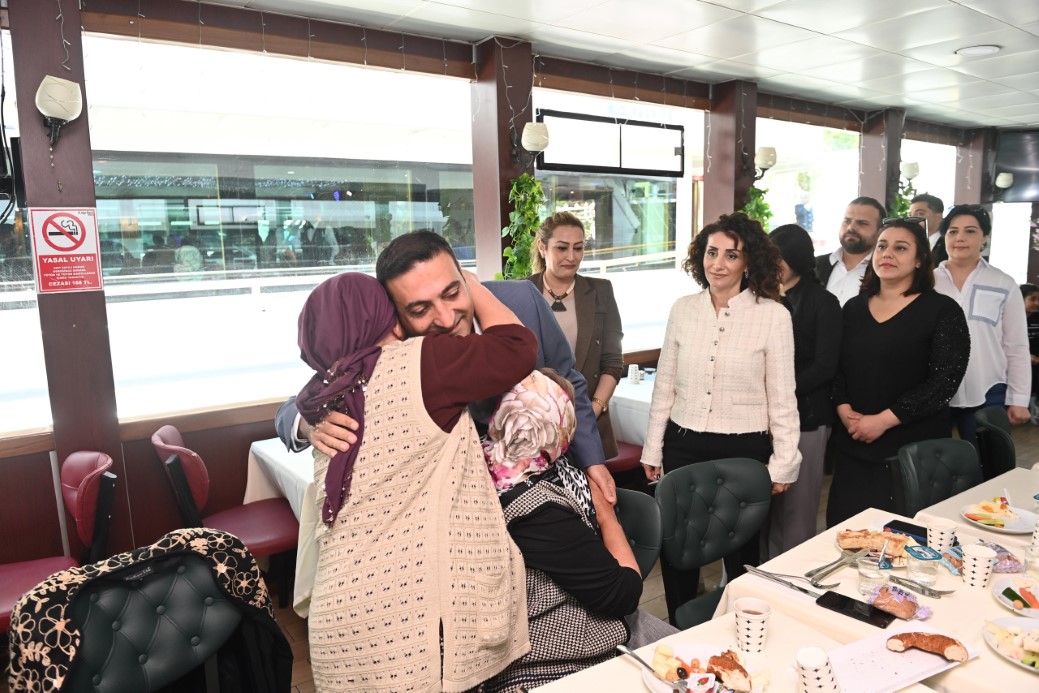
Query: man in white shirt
930	209
842	270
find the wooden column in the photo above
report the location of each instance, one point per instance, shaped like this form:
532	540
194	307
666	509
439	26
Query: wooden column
730	148
881	153
974	159
75	325
500	103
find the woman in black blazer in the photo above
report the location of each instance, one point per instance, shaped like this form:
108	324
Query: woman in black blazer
586	311
816	315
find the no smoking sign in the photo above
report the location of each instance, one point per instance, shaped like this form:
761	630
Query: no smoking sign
66	250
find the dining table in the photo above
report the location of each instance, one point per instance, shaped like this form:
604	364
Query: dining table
276	472
961	615
1022	484
773	670
629	409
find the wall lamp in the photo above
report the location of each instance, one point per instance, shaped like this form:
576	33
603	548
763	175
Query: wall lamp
60	102
764	159
526	148
909	170
1004	181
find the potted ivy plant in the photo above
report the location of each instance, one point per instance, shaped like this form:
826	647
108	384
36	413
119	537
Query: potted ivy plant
527	199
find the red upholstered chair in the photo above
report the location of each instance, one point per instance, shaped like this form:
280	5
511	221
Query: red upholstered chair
267	527
88	489
628	458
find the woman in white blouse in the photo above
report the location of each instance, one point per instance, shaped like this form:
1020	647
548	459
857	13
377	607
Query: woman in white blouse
999	371
725	378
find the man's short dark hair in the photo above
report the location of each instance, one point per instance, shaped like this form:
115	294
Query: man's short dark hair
933	203
870	202
405	251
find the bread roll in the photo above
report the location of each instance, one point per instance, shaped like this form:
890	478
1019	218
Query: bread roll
943	645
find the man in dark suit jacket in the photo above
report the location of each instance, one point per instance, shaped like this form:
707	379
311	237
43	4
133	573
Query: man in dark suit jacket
931	209
424	280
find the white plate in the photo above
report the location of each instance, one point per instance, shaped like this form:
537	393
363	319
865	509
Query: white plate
1006	622
867	666
685	652
1024	524
1014	581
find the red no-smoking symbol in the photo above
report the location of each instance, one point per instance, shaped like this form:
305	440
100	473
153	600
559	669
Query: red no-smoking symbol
64	232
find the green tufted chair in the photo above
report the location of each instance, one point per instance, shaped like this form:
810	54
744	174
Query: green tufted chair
639	515
995	442
708	510
930	471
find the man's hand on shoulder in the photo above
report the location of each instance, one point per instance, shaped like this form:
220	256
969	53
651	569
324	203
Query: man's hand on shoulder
600	476
335	433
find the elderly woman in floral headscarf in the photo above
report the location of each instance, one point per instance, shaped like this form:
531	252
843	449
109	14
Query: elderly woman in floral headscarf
582	578
418	586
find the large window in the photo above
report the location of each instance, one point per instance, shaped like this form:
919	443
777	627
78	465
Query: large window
24	404
815	177
638	227
229	184
937	168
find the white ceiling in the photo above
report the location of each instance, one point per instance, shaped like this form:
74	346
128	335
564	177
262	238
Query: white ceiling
866	54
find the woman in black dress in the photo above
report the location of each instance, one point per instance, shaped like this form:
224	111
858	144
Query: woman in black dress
904	351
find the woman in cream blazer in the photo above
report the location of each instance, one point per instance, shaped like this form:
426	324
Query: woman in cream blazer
725	378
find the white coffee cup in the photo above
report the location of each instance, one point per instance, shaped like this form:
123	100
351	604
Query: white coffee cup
814	671
977	564
751	623
941	534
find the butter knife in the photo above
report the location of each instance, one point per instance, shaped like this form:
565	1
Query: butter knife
769	576
917	587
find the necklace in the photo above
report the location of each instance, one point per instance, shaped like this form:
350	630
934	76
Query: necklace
557	305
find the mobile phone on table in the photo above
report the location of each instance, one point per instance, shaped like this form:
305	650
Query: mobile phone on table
909	529
842	604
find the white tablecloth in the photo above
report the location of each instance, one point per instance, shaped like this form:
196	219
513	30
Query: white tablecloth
961	615
1020	483
785	637
629	410
275	472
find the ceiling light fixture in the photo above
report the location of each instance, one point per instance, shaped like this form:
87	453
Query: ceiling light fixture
973	51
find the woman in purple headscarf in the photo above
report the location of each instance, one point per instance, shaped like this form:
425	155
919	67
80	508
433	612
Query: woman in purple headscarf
418	586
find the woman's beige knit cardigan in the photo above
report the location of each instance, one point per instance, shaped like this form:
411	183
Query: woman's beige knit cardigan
420	542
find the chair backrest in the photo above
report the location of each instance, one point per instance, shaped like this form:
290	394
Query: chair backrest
639	515
168	442
88	489
710	509
145	633
930	471
995	441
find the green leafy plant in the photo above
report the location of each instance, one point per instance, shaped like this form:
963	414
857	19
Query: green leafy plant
757	208
527	199
903	195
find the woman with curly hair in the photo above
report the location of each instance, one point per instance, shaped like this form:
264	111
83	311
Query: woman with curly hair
904	350
725	379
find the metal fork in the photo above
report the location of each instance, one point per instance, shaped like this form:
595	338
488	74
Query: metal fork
681	685
814	583
846	557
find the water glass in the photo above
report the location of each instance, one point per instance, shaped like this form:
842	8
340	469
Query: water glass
870	574
922	564
1031	559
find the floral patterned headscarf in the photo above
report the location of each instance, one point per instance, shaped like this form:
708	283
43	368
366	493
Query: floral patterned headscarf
530	429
